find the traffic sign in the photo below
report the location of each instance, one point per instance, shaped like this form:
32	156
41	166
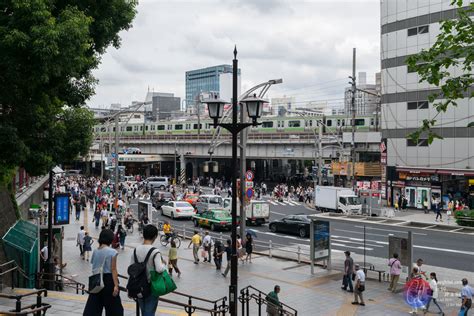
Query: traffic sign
248	184
249	193
249	175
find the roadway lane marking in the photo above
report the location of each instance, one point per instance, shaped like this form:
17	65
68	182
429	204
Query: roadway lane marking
278	213
388	230
357	243
355	232
469	253
336	244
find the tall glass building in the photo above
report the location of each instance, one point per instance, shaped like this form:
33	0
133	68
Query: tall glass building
207	80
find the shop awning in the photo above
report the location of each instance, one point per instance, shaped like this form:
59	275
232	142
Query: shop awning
453	172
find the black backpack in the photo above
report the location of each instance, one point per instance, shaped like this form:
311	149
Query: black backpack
138	286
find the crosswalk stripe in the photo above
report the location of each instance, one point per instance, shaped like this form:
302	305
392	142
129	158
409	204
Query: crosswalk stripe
273	203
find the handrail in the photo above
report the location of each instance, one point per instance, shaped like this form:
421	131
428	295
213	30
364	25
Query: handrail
260	299
37	308
59	281
220	306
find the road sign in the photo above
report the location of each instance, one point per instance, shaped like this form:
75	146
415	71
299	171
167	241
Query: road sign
248	184
114	155
249	175
249	193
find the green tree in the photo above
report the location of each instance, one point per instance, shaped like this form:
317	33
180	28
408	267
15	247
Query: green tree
454	48
48	49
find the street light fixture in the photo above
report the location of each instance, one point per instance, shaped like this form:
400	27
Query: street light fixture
216	110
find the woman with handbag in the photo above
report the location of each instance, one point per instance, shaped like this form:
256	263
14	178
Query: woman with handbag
104	284
433	294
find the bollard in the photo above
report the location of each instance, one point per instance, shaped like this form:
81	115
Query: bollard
270	248
299	254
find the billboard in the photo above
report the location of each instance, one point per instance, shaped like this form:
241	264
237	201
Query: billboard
322	239
61	209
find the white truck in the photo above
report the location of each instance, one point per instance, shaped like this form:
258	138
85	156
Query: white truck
336	199
257	212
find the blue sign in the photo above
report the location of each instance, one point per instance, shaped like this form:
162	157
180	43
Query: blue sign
61	209
322	237
249	193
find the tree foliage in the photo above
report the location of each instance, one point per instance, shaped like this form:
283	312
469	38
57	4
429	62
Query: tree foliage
48	49
453	49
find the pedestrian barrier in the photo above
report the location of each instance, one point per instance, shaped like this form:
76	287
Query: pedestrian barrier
37	309
250	295
188	303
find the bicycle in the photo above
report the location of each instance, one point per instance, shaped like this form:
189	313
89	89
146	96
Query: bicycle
165	240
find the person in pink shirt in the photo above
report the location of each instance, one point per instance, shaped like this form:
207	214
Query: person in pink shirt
395	270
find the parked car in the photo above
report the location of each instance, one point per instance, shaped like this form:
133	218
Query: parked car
292	224
191	198
161	183
208	202
159	198
177	209
214	219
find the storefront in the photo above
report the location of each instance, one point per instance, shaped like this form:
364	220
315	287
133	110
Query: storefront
418	185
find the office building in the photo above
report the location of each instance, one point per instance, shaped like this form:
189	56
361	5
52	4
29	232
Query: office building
416	169
216	79
366	101
165	106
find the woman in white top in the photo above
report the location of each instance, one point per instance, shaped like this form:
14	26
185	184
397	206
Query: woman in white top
434	293
240	252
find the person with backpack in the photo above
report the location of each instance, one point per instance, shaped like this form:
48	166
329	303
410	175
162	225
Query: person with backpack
105	258
145	258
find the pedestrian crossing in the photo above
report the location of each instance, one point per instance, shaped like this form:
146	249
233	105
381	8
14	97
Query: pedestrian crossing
284	202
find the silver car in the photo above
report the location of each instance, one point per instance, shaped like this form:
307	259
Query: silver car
161	183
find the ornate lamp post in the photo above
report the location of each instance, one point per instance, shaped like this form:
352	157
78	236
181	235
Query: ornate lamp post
254	107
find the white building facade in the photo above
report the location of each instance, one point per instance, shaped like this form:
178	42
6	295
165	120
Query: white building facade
417	170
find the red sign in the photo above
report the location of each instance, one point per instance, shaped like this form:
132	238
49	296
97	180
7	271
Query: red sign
249	175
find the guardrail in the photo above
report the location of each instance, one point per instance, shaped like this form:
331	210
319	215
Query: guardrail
59	281
250	294
218	307
37	308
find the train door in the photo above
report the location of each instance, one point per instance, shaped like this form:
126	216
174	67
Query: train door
423	194
410	194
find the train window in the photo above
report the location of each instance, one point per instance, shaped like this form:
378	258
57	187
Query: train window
129	128
152	127
311	123
268	124
372	122
188	126
136	116
103	129
178	127
328	122
197	126
141	128
343	122
359	122
338	122
146	127
161	127
294	123
170	127
135	128
121	128
113	129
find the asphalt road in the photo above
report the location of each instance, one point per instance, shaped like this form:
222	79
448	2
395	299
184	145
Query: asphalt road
440	249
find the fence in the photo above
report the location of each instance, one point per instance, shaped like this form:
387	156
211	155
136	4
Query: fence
38	308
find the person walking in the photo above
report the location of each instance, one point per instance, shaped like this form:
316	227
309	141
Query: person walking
80	241
122	233
97	217
173	259
437	205
196	242
359	286
87	245
433	294
395	270
218	252
108	298
240	253
426	206
348	271
207	245
273	302
466	297
149	304
228	252
249	248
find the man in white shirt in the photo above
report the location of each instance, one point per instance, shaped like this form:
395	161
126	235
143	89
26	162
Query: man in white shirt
359	286
80	241
207	244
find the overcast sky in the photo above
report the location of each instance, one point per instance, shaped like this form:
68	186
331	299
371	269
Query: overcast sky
307	43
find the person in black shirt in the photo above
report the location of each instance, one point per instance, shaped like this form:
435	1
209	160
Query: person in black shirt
228	251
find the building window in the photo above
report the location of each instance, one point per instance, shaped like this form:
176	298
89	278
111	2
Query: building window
420	143
417	105
161	127
418	30
267	124
294	123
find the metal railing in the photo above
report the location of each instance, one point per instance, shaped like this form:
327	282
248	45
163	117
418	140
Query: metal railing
59	282
37	308
187	302
12	268
250	295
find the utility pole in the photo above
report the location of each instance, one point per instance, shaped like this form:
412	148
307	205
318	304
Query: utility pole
353	110
320	154
175	153
116	159
198	106
243	165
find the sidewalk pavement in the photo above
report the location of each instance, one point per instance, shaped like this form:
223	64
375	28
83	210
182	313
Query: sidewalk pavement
318	294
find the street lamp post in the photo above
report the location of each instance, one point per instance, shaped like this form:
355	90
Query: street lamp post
216	109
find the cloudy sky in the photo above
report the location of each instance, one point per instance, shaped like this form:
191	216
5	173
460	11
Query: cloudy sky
307	43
